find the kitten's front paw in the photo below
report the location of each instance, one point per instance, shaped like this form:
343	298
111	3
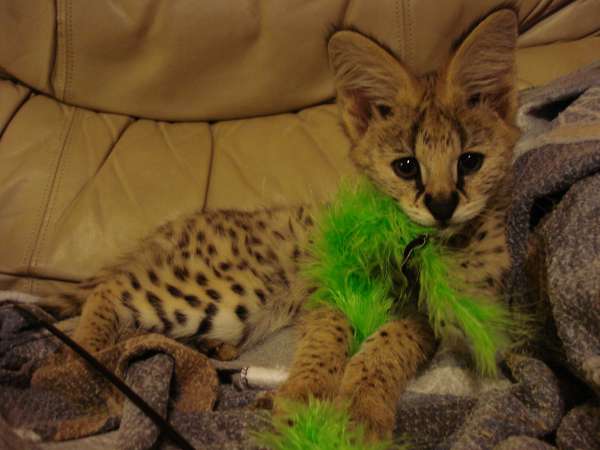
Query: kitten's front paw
301	388
377	420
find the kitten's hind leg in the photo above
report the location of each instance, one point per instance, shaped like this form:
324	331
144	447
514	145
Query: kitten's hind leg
103	318
376	376
217	349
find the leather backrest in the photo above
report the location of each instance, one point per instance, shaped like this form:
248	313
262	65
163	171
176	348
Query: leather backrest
215	60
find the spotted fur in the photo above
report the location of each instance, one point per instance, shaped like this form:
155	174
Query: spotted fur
218	276
231	278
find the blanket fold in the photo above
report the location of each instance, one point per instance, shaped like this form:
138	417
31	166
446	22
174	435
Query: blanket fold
69	400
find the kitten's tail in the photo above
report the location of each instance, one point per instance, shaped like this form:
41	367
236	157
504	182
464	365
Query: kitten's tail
61	305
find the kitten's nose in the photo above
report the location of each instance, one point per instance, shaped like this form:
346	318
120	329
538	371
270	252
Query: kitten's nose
442	207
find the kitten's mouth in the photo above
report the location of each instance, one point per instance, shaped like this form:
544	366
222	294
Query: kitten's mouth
425	221
422	217
443	229
449	228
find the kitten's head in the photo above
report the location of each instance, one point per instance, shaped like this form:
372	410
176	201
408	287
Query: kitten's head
441	144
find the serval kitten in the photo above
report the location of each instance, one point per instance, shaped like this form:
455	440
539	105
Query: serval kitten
440	144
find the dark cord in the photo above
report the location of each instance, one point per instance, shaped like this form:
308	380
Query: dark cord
409	272
138	401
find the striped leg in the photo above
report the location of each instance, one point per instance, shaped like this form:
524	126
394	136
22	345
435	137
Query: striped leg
376	376
101	321
320	357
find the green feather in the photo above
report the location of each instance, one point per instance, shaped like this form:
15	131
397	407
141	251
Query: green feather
359	239
318	425
357	250
485	323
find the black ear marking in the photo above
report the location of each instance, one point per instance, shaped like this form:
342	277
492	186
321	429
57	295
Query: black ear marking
367	77
482	68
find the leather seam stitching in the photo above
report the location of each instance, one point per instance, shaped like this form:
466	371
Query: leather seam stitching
61	63
54	56
210	166
410	29
26	261
399	27
60	170
30	254
70	56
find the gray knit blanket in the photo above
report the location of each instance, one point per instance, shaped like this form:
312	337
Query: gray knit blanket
547	396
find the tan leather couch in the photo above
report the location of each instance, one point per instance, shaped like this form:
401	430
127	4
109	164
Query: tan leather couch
117	115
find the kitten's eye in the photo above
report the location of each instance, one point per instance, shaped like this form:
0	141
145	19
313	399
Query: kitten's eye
406	168
384	110
474	100
469	163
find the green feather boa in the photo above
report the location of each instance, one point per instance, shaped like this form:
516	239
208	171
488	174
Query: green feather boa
357	250
318	425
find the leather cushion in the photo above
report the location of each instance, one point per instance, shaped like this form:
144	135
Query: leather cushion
207	60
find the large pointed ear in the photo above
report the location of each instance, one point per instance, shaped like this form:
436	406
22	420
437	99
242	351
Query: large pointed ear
483	67
368	80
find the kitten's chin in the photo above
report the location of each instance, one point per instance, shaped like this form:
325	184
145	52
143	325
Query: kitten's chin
466	214
442	229
457	221
420	217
